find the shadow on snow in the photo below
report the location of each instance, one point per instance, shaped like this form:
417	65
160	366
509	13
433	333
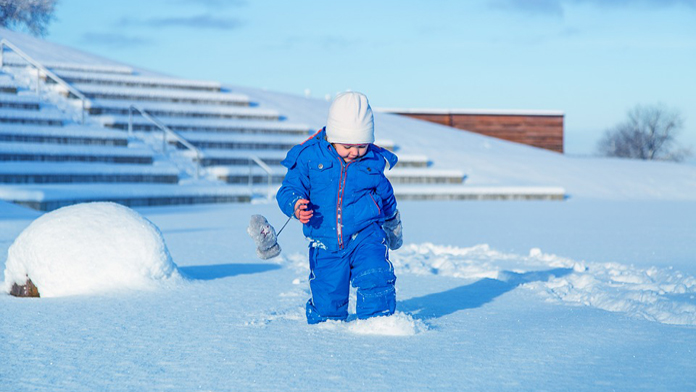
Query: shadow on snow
473	295
219	271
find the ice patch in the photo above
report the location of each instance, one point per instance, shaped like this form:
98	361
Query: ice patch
398	324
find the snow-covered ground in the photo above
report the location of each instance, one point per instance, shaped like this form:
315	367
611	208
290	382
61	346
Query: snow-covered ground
574	295
596	292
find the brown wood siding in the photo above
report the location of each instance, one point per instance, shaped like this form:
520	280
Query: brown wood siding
534	130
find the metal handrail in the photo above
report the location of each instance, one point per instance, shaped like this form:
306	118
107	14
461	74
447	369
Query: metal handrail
265	167
45	70
165	131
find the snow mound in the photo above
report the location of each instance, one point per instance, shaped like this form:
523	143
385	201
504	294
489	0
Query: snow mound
398	324
89	248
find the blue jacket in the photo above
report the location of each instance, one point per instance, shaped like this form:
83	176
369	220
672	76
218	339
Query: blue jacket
345	198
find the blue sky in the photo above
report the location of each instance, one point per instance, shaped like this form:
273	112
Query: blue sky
592	59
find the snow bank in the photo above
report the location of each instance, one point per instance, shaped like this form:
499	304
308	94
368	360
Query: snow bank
662	295
89	248
656	294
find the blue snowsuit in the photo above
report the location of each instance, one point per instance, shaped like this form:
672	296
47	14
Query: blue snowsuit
347	243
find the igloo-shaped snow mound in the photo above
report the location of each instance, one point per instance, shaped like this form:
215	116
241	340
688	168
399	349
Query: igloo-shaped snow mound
90	248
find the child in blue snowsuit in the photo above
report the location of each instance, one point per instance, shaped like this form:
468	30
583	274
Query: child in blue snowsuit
335	186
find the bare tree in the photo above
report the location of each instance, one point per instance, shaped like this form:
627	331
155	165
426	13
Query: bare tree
34	15
650	134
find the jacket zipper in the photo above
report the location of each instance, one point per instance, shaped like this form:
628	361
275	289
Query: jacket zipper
339	202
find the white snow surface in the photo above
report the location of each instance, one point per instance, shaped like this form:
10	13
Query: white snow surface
593	293
87	249
580	295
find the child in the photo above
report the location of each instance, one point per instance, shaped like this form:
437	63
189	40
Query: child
336	187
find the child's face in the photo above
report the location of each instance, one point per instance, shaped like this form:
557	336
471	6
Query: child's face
350	152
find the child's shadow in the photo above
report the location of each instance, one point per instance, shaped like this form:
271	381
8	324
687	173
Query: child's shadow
211	272
473	295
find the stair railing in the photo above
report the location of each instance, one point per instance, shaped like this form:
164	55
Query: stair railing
264	167
165	132
39	69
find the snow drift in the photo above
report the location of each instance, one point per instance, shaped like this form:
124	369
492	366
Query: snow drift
89	248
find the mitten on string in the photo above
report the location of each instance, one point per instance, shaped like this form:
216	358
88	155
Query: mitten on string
264	236
394	231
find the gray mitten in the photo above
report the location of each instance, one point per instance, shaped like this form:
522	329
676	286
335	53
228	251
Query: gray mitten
264	236
393	229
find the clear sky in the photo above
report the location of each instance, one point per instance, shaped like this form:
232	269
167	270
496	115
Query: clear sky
592	59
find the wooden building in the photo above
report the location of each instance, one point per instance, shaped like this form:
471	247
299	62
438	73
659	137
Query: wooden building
538	128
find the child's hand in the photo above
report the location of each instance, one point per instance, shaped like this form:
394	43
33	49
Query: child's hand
301	211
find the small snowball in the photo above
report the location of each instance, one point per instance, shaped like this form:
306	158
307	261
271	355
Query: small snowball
89	248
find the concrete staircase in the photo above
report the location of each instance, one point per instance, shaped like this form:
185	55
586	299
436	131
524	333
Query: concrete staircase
48	161
227	127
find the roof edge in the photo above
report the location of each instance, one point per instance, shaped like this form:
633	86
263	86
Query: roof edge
487	112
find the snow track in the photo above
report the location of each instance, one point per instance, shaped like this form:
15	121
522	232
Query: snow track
656	294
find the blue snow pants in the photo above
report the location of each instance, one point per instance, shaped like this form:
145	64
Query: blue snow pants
365	264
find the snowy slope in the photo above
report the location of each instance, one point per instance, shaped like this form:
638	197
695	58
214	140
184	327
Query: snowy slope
493	162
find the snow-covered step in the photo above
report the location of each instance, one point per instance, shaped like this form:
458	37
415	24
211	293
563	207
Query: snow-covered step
23	102
241	174
216	157
52	196
135	80
162	95
408	160
75	135
167	109
7	85
12	59
35	117
206	140
25	152
424	176
467	192
178	124
44	173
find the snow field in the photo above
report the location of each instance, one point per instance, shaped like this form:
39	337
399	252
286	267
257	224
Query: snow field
238	322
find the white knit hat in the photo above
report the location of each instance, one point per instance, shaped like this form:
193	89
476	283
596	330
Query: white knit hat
350	120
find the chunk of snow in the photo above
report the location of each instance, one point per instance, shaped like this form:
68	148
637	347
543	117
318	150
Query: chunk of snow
90	248
398	324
